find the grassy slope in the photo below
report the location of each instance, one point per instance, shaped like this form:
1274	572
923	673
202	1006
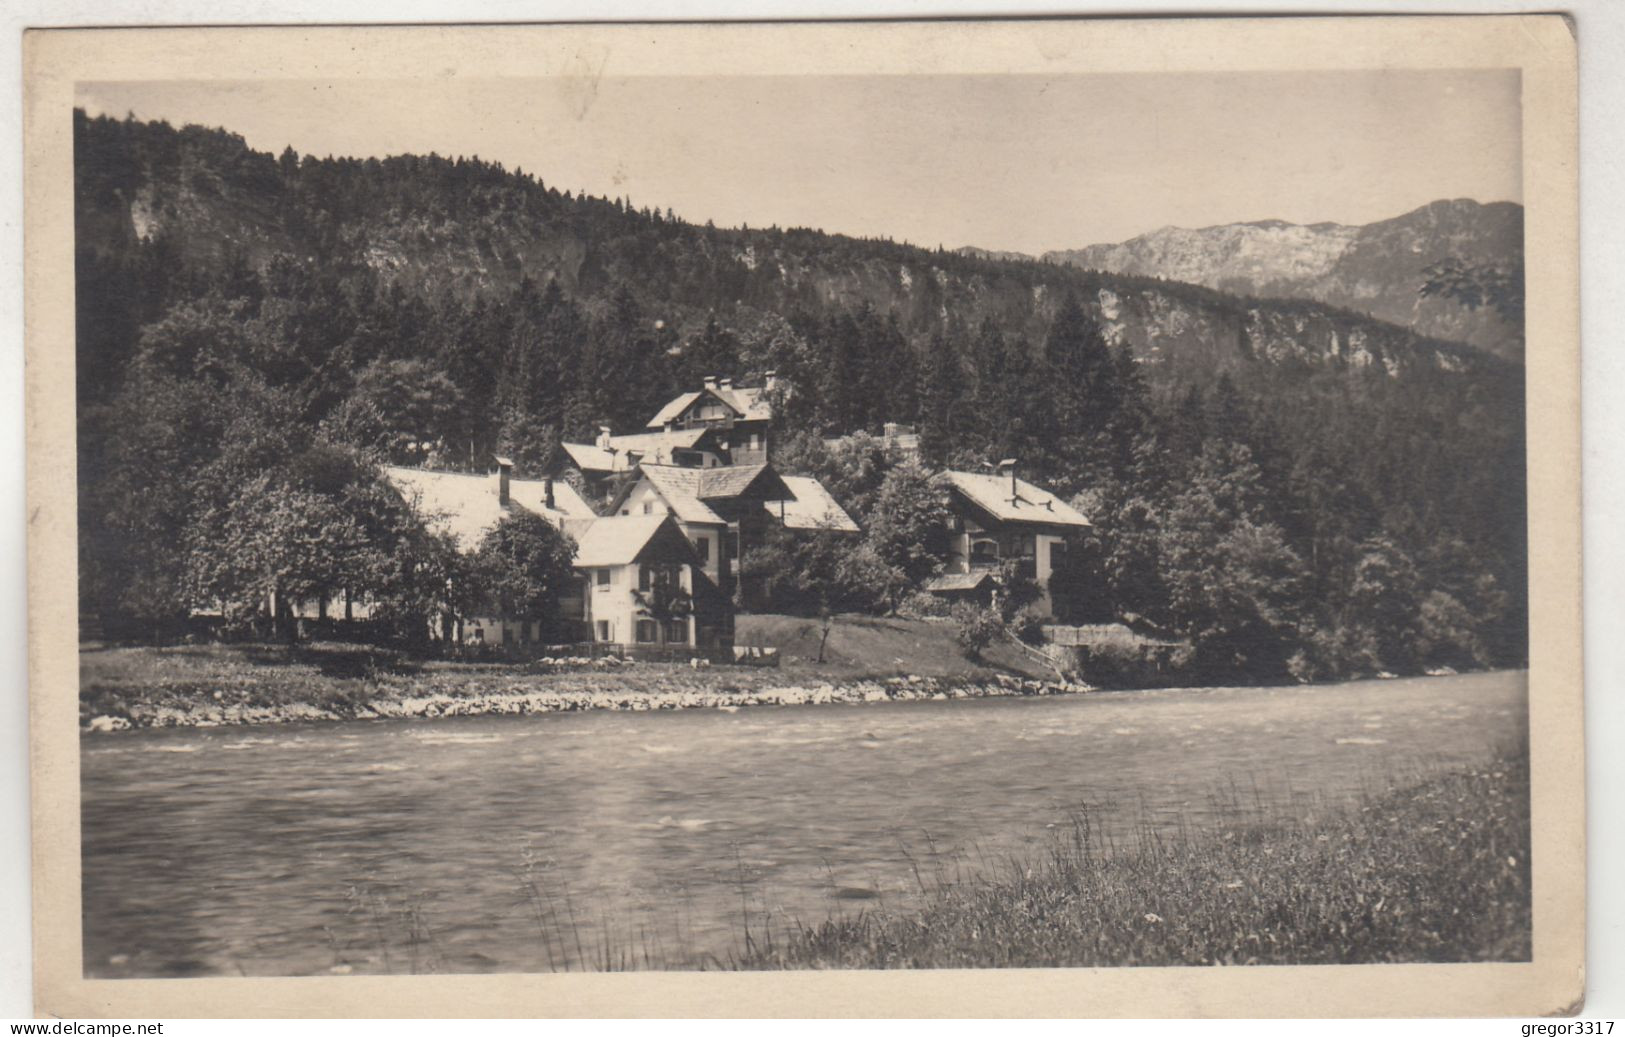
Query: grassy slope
339	679
1438	872
877	647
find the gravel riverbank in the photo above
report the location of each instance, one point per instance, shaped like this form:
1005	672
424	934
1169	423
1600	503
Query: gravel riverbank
119	694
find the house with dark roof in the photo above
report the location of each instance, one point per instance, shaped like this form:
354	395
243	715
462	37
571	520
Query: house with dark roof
639	581
997	518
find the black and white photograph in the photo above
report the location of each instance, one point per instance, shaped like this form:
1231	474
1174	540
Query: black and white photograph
619	521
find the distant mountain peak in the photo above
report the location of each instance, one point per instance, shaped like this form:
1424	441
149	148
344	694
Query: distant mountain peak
1377	268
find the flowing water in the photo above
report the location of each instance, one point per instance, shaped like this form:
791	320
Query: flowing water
530	843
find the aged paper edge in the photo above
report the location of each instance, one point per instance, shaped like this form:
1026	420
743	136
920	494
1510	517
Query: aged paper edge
1541	46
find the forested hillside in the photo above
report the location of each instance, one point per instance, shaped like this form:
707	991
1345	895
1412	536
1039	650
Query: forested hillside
1286	483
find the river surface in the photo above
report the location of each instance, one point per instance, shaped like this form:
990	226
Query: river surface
529	843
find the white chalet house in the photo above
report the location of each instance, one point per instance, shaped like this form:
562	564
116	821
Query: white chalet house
721	510
619	561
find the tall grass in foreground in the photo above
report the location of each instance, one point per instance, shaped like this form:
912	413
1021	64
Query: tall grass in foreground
1435	870
1438	872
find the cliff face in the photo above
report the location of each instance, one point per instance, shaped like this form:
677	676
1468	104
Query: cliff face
1375	269
434	226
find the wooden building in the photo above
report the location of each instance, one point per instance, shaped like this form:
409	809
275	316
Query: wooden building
740	416
995	518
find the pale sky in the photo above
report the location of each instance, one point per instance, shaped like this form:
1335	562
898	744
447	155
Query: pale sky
1026	163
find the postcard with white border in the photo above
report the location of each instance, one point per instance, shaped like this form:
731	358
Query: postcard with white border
1050	517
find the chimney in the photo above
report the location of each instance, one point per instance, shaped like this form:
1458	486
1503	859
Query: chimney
504	478
711	381
889	432
547	498
726	384
1009	465
770	380
603	438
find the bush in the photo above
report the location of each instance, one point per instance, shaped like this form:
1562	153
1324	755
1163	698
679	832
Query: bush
1118	665
1028	624
924	605
978	626
1338	653
1016	591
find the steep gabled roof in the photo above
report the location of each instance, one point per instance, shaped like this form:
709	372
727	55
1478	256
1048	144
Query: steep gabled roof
655	447
674	410
590	457
686	491
567	502
466	505
752	403
812	507
742	480
616	540
679	488
749	403
1029	504
651	442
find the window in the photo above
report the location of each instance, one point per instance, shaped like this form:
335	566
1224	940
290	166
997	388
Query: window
702	547
984	552
677	632
601	578
648	631
1029	545
603	630
648	507
644	577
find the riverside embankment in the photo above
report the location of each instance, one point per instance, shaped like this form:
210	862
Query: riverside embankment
865	659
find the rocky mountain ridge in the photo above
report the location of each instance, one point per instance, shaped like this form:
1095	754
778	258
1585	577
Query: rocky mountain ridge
1376	269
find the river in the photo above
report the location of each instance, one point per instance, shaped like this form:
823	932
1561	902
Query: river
529	843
